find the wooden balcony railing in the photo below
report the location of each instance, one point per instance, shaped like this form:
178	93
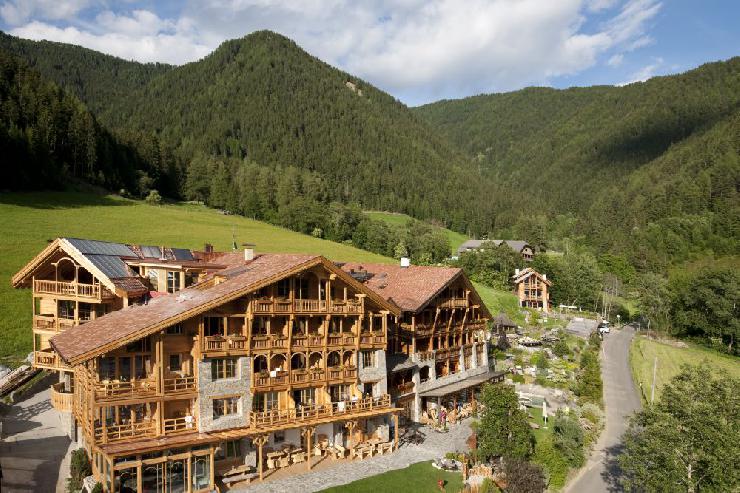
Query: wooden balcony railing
287	306
423	356
298	376
61	400
112	433
313	306
179	425
225	343
117	389
45	322
71	289
267	380
405	388
372	338
308	414
454	303
48	359
346	307
179	385
269	342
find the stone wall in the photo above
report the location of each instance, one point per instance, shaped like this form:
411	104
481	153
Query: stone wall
377	374
209	389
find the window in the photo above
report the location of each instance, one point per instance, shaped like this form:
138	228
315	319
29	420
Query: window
173	281
175	362
142	365
305	397
124	368
301	287
368	359
190	278
153	279
140	346
223	368
174	330
339	393
107	368
201	472
214	326
271	401
283	288
225	407
233	449
66	309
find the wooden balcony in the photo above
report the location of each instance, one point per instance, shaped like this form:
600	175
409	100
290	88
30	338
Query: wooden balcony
453	303
224	344
346	307
118	389
49	360
260	342
311	340
179	425
53	324
339	374
342	339
310	414
372	339
423	356
271	380
405	388
269	306
72	290
179	385
61	400
112	433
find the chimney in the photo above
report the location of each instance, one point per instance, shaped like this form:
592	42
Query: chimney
405	262
516	272
208	248
248	251
544	276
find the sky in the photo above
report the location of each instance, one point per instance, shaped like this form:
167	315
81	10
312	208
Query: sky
417	50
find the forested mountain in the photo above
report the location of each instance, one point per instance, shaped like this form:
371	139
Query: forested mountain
263	99
47	136
650	170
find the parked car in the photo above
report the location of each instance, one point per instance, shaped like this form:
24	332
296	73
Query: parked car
604	327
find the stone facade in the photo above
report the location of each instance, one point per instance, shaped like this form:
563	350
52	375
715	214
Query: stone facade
377	375
208	389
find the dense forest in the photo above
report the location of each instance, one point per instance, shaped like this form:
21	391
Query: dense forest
649	171
263	99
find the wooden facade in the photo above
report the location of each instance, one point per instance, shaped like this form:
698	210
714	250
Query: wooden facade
533	289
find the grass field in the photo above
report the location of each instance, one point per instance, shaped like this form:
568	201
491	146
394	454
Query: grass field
396	219
417	478
500	301
29	220
670	358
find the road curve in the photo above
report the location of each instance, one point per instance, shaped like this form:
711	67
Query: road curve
620	400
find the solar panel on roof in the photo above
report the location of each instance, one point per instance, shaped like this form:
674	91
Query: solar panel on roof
96	247
182	254
151	251
112	266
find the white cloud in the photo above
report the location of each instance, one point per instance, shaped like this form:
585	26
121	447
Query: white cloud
615	60
15	12
417	49
645	72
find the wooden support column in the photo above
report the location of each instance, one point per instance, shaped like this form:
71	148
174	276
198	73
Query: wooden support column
308	433
351	425
260	441
396	431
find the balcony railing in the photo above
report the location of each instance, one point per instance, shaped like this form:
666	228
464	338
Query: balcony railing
275	379
308	414
224	343
301	376
346	307
454	303
179	385
112	433
405	388
48	359
287	306
61	400
118	389
269	342
71	289
179	425
372	338
423	356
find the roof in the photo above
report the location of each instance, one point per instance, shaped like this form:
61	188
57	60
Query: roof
129	324
452	388
516	245
411	288
525	273
107	261
503	320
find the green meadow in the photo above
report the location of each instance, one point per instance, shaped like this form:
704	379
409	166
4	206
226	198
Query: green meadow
30	219
397	219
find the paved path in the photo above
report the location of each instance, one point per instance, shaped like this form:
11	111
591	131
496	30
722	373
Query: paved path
435	446
621	400
33	447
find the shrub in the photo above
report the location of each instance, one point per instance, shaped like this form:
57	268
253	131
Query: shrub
517	378
79	469
561	349
523	476
556	467
487	486
153	198
568	438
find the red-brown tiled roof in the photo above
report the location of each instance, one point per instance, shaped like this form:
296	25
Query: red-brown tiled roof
128	324
132	285
411	288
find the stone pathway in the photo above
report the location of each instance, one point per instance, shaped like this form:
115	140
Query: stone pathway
435	446
33	447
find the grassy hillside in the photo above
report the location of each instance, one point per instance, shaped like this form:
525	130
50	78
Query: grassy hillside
397	219
670	358
29	220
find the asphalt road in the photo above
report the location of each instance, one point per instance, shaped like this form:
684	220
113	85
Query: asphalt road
621	399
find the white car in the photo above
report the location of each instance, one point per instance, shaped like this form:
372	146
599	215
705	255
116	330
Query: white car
604	327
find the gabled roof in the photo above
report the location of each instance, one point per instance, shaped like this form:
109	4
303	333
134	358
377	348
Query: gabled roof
525	273
121	327
106	261
411	288
516	245
503	320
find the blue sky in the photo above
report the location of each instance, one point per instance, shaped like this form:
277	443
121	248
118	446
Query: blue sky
418	50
